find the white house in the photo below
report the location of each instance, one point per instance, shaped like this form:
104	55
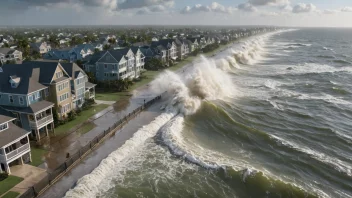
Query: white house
14	143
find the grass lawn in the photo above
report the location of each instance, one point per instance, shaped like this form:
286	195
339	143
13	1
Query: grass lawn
8	183
11	194
85	115
150	76
37	156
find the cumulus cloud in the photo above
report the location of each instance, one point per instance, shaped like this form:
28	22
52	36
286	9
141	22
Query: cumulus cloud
269	2
304	8
112	5
214	7
152	9
346	9
247	7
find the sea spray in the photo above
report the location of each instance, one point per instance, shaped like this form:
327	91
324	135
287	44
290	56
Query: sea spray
184	95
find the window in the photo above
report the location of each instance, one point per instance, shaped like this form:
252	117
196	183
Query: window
4	126
37	95
21	100
46	92
59	74
11	98
65	108
105	66
64	97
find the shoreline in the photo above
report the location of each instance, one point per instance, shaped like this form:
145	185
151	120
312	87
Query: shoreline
93	159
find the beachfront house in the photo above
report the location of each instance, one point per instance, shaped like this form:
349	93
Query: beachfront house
139	61
14	143
81	89
55	77
167	45
23	92
108	65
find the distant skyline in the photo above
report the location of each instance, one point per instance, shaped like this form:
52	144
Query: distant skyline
299	13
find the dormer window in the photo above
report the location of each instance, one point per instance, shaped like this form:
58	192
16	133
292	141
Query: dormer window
59	74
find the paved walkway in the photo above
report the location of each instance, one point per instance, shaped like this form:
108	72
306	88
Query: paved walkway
30	174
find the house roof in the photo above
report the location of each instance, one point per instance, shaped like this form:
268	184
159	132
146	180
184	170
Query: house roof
90	85
11	134
72	69
6	51
28	79
5	116
47	69
31	109
58	54
163	42
95	57
146	51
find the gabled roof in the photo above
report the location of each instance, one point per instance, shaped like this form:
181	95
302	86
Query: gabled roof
72	69
11	134
6	51
31	109
29	79
95	57
47	70
164	42
147	51
58	54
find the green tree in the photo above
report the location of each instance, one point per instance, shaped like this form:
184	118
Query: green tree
106	47
76	41
153	64
91	77
6	45
36	55
112	41
96	50
54	41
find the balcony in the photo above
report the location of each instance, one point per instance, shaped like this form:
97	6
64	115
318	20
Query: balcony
15	153
38	123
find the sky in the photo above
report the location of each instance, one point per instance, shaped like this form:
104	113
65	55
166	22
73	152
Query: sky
294	13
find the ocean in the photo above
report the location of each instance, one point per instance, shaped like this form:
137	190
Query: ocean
269	117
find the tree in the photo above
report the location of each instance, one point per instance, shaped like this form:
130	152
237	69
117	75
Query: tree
76	41
96	50
112	41
153	64
6	45
171	35
54	41
36	55
10	62
91	77
106	47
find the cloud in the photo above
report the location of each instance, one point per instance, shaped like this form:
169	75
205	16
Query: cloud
269	14
152	9
111	5
214	7
329	11
269	2
346	9
130	4
247	7
304	8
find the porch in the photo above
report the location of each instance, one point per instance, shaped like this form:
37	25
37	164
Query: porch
41	124
90	90
16	153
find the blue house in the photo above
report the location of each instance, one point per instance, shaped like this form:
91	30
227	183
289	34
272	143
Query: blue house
23	93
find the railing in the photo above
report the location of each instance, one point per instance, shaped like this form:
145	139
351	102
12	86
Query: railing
55	175
41	122
19	151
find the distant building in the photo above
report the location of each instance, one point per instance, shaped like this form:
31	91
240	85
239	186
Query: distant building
41	47
8	54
